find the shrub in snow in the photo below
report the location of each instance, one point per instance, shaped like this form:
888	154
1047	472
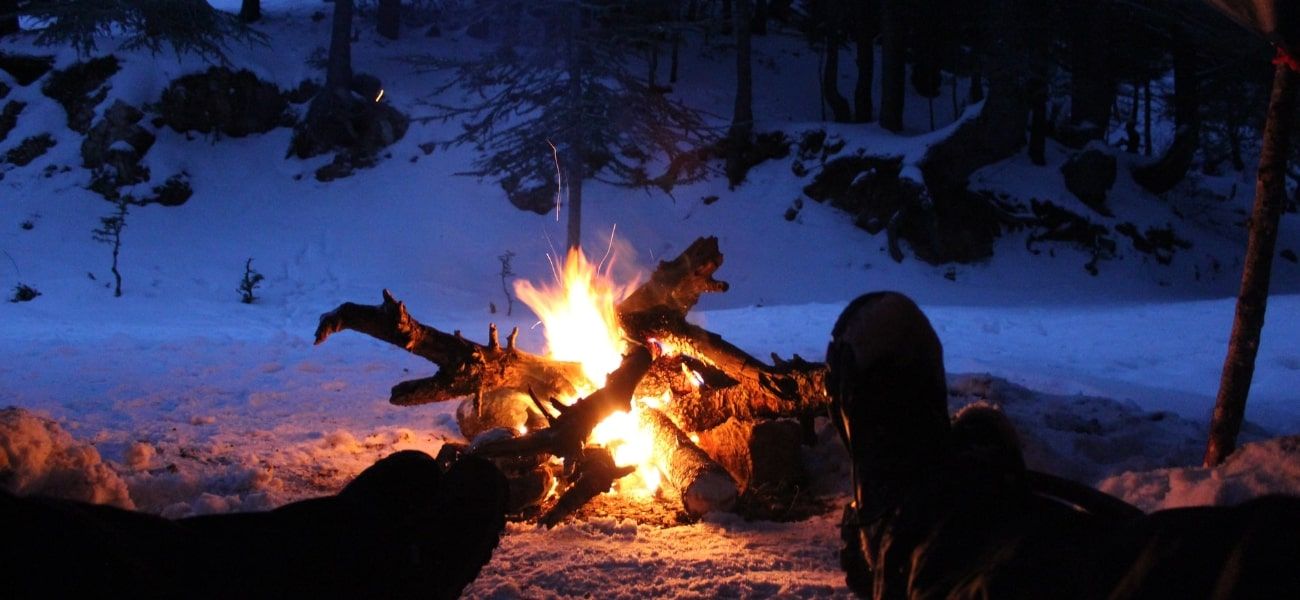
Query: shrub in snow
110	232
249	283
29	149
219	100
38	457
24	293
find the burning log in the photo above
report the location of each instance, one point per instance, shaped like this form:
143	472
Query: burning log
762	454
702	483
738	385
465	368
569	431
597	473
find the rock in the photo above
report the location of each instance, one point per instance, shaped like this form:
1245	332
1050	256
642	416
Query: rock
29	149
1159	242
234	103
340	120
961	228
303	93
4	90
9	117
175	191
116	144
1089	175
24	68
80	88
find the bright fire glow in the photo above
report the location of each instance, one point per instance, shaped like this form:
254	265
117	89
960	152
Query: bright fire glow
578	316
581	325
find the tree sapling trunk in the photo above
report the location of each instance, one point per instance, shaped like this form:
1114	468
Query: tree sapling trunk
110	232
1270	197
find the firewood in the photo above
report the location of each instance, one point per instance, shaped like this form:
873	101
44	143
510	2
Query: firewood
704	486
596	473
749	388
758	454
465	368
570	430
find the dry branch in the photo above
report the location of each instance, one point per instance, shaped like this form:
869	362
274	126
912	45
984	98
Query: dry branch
571	428
465	368
702	483
745	387
596	474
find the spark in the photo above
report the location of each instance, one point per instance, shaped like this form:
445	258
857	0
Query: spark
559	183
381	94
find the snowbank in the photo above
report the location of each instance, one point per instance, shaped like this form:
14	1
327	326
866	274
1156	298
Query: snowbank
37	457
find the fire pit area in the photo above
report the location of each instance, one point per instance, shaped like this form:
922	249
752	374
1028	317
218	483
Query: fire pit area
631	412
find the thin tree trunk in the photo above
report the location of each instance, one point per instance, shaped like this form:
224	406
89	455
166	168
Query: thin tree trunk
653	66
1165	173
676	54
338	73
726	17
759	22
831	77
575	151
864	37
1132	143
742	120
250	11
8	17
1092	85
893	66
389	17
1038	122
1146	117
1270	196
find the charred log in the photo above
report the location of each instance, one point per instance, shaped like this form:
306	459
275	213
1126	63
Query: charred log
742	386
465	368
596	474
570	429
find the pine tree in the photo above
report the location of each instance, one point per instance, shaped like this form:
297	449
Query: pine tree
562	91
183	25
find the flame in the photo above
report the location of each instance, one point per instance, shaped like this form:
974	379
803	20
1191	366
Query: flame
578	316
580	325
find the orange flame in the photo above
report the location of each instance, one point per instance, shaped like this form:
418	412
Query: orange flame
581	325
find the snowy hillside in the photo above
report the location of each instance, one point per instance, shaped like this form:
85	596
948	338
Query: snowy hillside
200	403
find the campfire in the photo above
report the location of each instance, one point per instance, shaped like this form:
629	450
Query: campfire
628	397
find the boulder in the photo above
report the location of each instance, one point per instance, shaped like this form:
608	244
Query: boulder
234	103
9	117
1089	175
29	149
80	88
115	145
340	120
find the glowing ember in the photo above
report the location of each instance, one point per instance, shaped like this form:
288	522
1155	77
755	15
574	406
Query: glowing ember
581	325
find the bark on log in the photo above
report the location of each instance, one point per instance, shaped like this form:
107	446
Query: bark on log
570	430
757	454
597	473
742	387
465	368
704	486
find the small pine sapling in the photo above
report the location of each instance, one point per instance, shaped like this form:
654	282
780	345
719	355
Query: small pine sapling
249	284
24	293
110	232
506	274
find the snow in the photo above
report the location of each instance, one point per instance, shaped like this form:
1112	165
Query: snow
193	403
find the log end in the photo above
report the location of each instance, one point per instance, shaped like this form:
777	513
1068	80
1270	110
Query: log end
711	491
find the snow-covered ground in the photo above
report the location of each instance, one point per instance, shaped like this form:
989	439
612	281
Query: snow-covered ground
201	404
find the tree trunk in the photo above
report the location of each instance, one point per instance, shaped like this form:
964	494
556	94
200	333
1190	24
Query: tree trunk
676	56
831	76
726	17
1038	123
1092	85
389	17
8	17
893	66
759	23
1165	173
1146	117
575	148
338	72
1270	196
742	119
864	38
250	11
